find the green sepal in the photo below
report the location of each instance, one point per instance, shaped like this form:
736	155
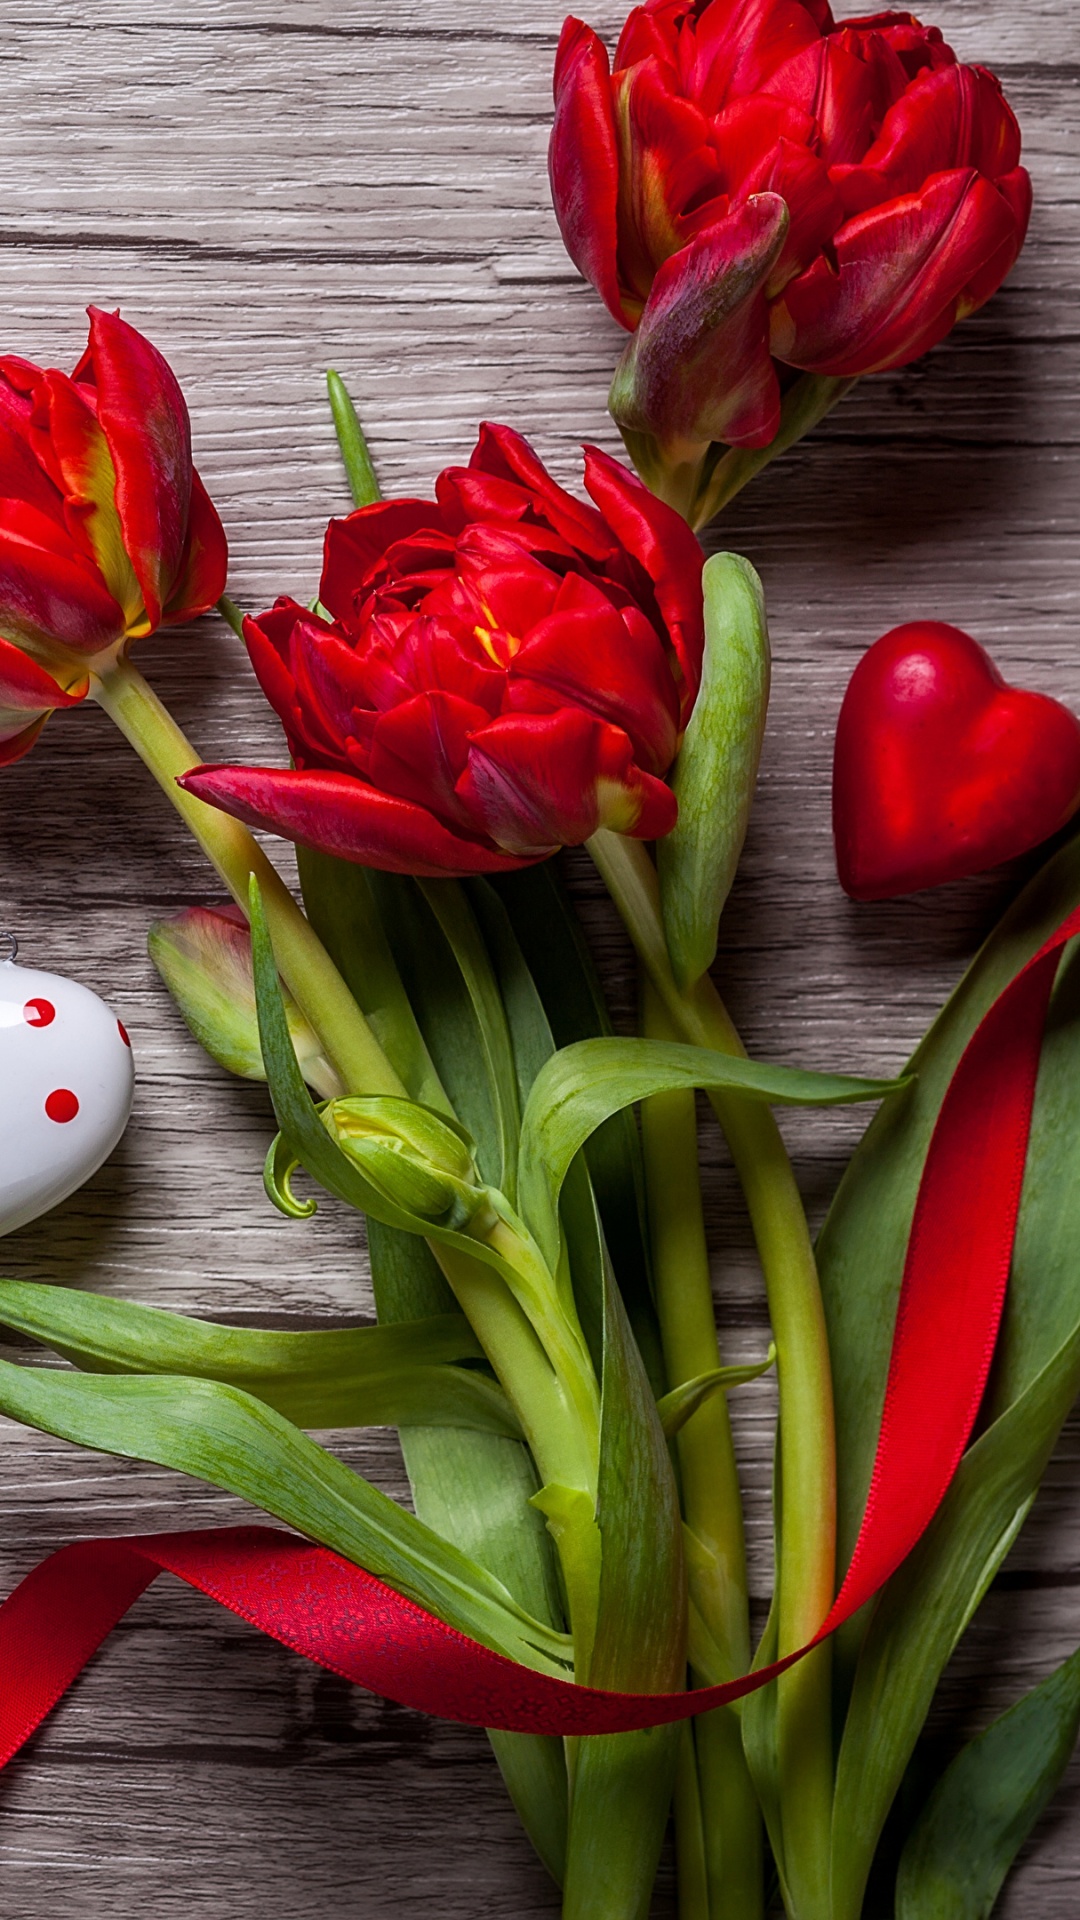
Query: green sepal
986	1803
715	774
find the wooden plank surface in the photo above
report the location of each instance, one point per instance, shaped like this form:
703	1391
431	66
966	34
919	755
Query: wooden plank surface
267	190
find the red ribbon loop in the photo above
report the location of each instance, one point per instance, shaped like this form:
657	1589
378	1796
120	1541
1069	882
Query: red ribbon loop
306	1597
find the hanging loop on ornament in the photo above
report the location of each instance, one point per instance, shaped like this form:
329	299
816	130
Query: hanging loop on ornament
9	947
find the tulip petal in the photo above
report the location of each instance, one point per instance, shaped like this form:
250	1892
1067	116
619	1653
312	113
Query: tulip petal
420	749
69	442
356	544
27	697
954	117
145	420
903	278
665	547
504	454
669	161
341	815
200	581
698	368
23	477
27	687
609	664
16	737
583	164
539	781
47	596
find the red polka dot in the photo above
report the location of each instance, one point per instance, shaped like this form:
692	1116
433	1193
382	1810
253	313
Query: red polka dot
39	1013
61	1105
123	1032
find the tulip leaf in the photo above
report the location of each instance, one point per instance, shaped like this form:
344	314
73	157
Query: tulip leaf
928	1603
449	903
584	1084
621	1785
443	1009
986	1803
356	459
472	1488
342	909
551	940
677	1407
352	1377
716	771
228	1439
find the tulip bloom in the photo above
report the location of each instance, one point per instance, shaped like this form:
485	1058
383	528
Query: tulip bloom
106	531
756	183
505	671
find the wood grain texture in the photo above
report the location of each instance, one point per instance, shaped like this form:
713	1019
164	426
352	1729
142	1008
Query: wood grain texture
268	190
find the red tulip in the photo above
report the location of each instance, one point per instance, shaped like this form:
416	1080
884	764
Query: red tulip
941	769
106	531
506	670
757	183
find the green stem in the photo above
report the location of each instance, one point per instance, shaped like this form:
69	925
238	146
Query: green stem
806	403
231	614
807	1446
303	961
725	1804
563	1443
691	1861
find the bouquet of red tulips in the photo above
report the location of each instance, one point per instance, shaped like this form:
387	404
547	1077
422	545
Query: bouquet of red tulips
772	204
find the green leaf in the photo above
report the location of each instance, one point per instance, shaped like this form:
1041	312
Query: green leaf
472	1488
926	1607
863	1244
444	1012
861	1254
231	1440
349	1377
449	903
716	771
677	1407
586	1083
341	907
986	1803
356	459
622	1784
551	941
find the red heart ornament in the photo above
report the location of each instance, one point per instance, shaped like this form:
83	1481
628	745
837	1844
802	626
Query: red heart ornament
941	769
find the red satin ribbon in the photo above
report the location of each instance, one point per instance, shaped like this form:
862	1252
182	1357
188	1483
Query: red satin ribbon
308	1598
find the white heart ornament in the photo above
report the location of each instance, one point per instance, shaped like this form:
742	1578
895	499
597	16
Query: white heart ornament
66	1086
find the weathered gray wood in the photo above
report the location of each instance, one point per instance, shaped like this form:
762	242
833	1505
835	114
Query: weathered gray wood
268	191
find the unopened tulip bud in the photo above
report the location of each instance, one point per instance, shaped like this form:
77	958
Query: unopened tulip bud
417	1160
204	957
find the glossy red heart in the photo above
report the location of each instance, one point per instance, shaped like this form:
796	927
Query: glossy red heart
940	768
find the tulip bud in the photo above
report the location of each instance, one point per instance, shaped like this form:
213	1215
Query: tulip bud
416	1159
204	957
